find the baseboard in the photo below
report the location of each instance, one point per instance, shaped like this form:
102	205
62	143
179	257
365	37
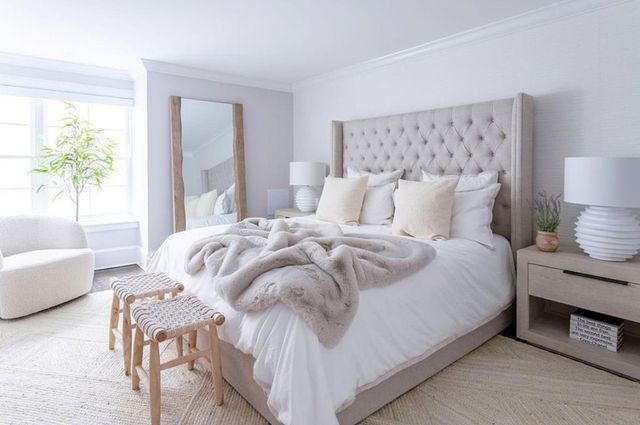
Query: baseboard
117	257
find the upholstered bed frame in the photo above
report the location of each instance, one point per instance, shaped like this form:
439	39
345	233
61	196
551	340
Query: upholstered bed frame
495	135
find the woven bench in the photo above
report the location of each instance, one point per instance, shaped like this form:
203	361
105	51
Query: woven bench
125	292
161	320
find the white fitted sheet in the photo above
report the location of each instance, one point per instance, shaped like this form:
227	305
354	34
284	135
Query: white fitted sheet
466	285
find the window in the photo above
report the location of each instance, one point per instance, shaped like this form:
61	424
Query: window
26	124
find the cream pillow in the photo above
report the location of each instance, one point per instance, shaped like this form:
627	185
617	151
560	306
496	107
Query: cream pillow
206	202
424	209
377	207
190	205
341	200
473	213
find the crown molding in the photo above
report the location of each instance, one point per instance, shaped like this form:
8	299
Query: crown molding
63	66
542	16
189	72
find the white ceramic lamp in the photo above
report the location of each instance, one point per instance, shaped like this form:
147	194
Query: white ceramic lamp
607	229
306	175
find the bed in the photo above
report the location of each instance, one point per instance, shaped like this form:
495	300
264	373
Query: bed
402	333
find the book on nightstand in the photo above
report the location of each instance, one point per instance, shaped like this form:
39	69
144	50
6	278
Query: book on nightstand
597	329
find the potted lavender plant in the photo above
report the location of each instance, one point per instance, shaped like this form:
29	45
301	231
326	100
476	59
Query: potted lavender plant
547	210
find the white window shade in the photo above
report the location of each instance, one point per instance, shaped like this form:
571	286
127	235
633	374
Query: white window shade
57	80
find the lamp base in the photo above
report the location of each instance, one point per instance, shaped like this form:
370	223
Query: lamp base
607	233
306	199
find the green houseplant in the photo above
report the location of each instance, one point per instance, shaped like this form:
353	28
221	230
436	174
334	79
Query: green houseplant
547	209
81	156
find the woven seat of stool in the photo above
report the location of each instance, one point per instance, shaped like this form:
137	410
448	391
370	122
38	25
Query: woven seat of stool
144	285
168	318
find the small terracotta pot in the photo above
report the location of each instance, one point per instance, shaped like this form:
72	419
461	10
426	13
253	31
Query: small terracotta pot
547	241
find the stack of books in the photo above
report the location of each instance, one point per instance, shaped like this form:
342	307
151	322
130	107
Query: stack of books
597	329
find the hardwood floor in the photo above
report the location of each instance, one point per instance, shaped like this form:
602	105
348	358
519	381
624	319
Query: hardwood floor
101	278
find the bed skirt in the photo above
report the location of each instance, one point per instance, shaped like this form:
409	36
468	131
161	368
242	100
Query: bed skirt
237	369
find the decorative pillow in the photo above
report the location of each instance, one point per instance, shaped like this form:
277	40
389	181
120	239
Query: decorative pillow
473	213
377	207
424	209
190	205
467	182
230	199
376	179
341	199
378	202
206	203
218	208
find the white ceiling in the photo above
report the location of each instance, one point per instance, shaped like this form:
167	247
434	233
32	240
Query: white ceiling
278	40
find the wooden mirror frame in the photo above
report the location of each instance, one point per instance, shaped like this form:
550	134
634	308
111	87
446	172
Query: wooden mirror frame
179	216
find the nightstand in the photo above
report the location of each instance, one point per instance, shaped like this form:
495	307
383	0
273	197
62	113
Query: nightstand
290	213
552	285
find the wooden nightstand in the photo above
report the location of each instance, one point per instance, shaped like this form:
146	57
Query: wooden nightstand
552	285
290	213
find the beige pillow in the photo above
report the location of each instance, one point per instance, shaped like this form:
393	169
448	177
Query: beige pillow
424	209
206	202
341	200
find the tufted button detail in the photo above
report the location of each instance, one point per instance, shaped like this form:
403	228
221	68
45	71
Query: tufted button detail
388	130
433	126
492	120
362	158
504	136
481	137
492	154
470	122
462	139
410	143
351	134
395	143
388	157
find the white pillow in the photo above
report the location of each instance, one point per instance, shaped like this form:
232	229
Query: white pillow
376	179
377	207
467	182
190	205
206	203
218	208
378	203
230	199
424	209
473	214
341	200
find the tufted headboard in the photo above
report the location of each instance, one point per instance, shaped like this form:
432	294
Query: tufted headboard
468	139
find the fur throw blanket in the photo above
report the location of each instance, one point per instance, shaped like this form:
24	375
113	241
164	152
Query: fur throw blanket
313	269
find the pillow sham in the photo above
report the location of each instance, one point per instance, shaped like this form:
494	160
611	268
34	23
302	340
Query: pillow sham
423	209
206	203
230	199
190	205
473	213
378	201
377	207
467	182
341	199
376	179
218	208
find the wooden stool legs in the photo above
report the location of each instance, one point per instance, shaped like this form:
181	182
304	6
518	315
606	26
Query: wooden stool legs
113	321
152	376
126	337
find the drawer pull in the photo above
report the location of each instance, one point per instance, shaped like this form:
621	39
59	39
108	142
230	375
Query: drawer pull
591	276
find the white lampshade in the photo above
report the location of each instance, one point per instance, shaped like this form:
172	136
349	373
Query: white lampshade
601	181
304	173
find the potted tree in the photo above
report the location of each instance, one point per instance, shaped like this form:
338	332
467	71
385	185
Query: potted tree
547	210
81	156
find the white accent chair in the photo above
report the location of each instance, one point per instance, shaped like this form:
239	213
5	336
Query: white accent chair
44	261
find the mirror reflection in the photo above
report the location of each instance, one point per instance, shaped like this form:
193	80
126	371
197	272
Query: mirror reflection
207	163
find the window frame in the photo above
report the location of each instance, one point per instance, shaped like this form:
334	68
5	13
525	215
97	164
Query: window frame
39	136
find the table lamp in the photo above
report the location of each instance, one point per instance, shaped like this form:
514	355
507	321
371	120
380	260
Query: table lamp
306	175
607	229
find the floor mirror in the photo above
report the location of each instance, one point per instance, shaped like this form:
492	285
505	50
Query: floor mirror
207	158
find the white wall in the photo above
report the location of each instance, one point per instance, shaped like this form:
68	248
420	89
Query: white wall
584	73
268	138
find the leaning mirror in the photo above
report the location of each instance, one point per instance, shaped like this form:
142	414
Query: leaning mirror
207	163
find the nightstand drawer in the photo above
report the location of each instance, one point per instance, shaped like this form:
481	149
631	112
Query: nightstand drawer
615	299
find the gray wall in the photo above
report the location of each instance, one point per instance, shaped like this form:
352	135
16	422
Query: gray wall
268	138
584	73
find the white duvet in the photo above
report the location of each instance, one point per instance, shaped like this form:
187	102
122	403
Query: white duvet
466	285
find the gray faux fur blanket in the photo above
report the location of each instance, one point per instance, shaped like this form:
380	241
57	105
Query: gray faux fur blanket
313	269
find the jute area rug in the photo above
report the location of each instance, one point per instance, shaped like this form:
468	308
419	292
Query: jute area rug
55	368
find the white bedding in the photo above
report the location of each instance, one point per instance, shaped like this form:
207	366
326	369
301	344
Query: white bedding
211	220
466	285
